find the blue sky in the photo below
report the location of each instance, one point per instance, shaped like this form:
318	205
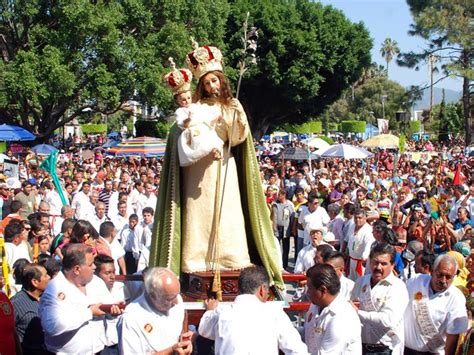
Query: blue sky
391	18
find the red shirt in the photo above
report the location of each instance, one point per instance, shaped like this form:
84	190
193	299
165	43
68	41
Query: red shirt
7	326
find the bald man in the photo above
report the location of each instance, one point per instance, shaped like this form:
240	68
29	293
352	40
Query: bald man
153	323
436	313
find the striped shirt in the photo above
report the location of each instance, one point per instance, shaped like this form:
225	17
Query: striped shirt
104	197
27	320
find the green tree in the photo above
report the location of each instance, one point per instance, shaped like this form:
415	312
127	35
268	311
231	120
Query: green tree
366	103
388	50
446	119
308	54
62	58
447	26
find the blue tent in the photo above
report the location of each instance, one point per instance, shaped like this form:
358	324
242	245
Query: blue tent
44	149
15	133
370	131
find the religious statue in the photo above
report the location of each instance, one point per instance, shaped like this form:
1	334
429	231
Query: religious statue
211	212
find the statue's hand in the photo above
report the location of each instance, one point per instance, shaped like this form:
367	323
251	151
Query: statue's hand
234	104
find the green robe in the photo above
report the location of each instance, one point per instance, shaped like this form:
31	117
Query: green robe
166	241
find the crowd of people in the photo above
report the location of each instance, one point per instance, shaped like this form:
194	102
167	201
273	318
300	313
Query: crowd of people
385	245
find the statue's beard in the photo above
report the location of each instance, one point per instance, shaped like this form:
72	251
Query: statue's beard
214	94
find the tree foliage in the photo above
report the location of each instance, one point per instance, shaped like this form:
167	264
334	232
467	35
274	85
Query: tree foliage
308	54
60	58
389	50
353	126
94	128
447	27
307	127
365	101
157	128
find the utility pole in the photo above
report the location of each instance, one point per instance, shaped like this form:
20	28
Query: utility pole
431	68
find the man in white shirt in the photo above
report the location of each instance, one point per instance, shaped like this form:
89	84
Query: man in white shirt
305	258
313	214
118	197
13	243
135	194
148	199
107	233
381	299
56	223
105	270
348	226
65	310
127	239
335	224
142	242
250	325
436	314
153	323
359	243
99	216
120	218
332	325
458	192
336	260
81	202
54	200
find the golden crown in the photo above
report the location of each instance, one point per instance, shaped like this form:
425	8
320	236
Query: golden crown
203	60
179	80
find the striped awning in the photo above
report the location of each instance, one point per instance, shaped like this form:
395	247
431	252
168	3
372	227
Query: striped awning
140	146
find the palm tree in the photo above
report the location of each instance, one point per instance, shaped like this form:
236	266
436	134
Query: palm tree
388	50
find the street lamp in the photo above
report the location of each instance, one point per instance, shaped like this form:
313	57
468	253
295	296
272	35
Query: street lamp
383	98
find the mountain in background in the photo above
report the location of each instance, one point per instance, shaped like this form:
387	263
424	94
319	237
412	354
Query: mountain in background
450	96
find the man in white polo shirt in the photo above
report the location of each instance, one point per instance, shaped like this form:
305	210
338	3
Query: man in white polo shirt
436	312
381	299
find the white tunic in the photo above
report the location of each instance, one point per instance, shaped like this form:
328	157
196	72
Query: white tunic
347	285
447	311
305	259
81	204
66	318
144	330
97	292
381	311
336	330
249	326
359	244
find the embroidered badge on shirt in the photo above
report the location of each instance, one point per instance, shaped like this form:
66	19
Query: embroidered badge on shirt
148	328
61	296
6	309
318	330
418	296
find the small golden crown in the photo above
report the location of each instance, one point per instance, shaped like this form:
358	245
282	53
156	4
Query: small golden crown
204	59
179	80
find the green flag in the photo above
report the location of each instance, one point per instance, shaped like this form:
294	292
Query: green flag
401	144
49	165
